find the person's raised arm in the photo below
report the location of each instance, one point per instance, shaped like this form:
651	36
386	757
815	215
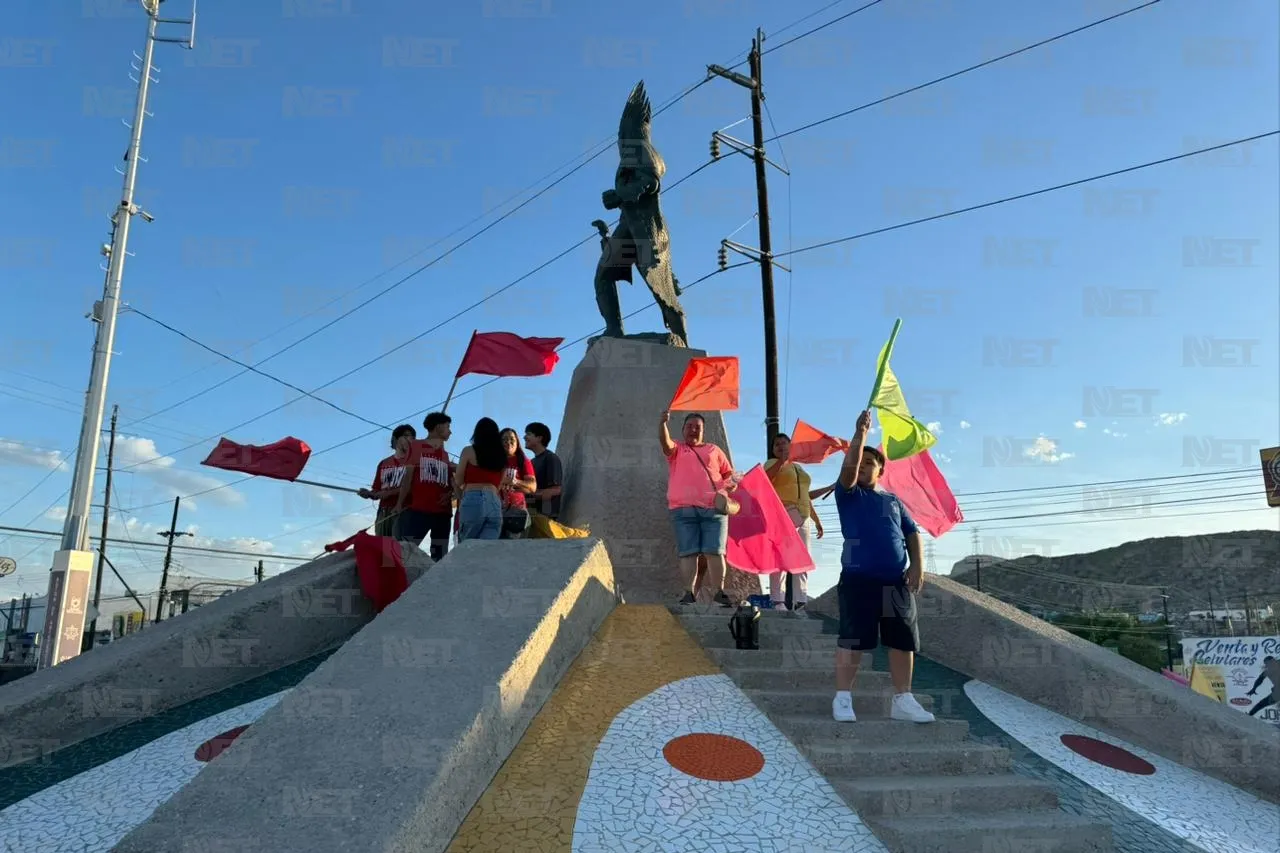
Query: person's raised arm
853	457
664	435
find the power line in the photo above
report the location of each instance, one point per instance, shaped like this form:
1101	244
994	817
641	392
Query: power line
956	74
465	392
379	426
1100	483
1025	195
871	233
192	548
607	143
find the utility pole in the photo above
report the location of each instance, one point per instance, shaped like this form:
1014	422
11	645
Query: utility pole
73	563
172	533
764	254
102	540
1168	643
1248	617
1213	617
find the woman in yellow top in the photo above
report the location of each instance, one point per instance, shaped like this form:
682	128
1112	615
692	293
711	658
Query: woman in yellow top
792	483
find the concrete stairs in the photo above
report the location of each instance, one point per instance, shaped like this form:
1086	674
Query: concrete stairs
920	788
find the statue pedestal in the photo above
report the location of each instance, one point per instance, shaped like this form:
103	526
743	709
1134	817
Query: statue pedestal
615	473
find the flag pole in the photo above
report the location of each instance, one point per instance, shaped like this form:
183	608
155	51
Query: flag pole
327	486
454	386
884	362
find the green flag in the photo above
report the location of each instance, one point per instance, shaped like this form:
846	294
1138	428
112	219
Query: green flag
904	436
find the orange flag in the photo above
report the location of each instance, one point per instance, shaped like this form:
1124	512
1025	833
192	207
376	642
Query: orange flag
812	446
709	384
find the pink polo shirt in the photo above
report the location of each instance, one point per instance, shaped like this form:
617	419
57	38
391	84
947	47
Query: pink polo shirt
689	484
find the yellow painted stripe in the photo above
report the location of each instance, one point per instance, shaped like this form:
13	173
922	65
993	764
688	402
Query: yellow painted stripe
532	803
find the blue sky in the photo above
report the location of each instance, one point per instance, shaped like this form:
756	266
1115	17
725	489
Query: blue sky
265	211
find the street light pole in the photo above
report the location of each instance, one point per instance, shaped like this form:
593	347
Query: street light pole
73	563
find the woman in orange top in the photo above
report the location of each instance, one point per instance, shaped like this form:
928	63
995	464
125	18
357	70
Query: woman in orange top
481	467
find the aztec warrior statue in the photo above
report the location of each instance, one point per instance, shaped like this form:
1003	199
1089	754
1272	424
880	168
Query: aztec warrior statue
641	237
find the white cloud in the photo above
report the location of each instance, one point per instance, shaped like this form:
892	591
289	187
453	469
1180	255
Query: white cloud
1109	431
1170	418
325	497
941	457
1080	425
161	470
1046	450
965	425
58	513
19	453
934	427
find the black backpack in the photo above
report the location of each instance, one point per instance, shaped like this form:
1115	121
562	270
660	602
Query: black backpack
744	627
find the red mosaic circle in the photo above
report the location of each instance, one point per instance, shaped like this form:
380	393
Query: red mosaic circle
214	746
1108	755
715	758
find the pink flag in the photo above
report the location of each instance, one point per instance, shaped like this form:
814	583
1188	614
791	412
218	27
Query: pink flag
923	490
762	538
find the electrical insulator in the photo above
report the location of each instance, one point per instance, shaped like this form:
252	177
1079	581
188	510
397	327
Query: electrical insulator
715	147
723	257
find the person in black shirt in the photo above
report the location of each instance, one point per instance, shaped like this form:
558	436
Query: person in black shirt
547	469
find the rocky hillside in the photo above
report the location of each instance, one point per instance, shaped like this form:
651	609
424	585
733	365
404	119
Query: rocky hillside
1129	577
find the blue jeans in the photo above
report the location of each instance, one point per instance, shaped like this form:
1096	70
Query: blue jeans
699	531
479	515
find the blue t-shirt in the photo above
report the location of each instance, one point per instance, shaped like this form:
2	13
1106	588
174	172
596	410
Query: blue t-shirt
875	526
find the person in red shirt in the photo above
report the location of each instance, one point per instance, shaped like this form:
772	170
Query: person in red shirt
425	502
387	479
518	482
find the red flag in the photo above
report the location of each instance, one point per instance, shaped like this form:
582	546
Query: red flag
812	446
505	354
762	538
283	460
379	567
923	490
709	384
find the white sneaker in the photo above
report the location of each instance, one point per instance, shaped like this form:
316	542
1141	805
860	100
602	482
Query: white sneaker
842	708
905	707
779	605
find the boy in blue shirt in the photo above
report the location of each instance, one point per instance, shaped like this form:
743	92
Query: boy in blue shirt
881	570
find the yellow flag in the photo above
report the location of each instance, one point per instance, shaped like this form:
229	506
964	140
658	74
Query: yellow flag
904	436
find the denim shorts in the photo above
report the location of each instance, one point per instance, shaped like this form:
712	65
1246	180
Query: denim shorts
699	530
480	514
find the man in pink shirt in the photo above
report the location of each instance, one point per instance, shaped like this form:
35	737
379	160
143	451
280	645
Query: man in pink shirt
698	472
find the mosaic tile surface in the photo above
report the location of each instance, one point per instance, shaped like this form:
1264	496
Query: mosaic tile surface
21	781
92	811
637	800
643	695
1206	813
532	803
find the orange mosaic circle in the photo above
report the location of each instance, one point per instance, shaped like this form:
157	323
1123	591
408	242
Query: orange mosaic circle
715	758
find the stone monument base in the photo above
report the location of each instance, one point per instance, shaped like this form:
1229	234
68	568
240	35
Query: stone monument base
615	473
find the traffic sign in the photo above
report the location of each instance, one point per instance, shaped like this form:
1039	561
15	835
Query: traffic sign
8	566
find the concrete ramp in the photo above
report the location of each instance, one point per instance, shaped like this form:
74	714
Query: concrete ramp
257	630
1002	646
389	743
